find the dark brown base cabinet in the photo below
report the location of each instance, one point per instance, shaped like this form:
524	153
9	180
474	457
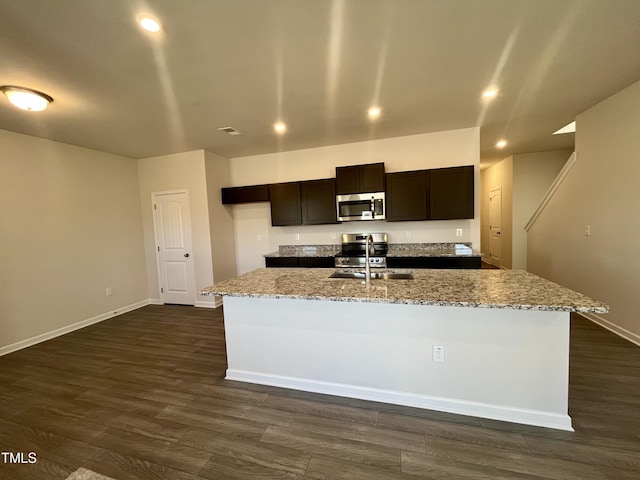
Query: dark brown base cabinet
302	262
434	262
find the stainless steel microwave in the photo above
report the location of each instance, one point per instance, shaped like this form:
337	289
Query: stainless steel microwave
360	206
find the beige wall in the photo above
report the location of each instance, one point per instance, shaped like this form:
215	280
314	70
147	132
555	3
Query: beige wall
499	175
218	175
524	179
71	227
533	174
252	222
176	172
601	191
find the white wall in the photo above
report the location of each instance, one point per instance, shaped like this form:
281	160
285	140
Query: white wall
175	172
71	227
254	235
601	190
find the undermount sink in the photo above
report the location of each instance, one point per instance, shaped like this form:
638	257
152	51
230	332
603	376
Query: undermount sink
374	275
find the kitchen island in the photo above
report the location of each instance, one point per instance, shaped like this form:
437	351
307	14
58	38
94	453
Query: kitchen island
501	339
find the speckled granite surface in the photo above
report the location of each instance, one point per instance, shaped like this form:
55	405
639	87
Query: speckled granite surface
513	289
395	250
305	251
431	250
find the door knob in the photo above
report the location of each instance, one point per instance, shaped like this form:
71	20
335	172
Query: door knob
186	255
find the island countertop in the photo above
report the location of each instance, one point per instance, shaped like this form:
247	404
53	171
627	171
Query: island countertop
511	289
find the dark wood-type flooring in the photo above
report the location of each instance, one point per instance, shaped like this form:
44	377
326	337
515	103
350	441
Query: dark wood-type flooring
143	396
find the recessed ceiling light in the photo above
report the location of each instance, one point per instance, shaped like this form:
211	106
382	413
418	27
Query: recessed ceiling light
149	24
26	99
501	144
280	127
374	112
568	128
490	93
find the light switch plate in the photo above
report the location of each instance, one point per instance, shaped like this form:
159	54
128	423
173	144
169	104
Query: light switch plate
438	354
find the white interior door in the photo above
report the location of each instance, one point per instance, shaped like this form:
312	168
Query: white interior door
495	221
172	225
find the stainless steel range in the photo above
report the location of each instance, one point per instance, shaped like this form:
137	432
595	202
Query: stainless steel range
354	251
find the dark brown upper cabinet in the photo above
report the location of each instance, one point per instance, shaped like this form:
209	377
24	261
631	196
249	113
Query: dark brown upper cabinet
437	194
360	178
407	196
285	204
252	193
451	193
318	201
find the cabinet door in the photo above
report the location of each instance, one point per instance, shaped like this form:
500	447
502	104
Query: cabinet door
372	178
451	193
407	196
434	262
347	180
285	204
316	262
367	178
251	193
318	201
271	262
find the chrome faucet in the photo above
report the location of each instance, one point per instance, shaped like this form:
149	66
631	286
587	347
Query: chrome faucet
367	252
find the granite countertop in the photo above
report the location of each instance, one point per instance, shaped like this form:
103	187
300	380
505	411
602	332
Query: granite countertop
305	251
431	250
395	250
514	289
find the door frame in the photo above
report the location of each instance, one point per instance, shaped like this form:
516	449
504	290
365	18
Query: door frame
155	238
491	258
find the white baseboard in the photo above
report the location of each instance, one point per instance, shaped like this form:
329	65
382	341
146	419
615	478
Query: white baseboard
70	328
460	407
612	327
215	303
155	301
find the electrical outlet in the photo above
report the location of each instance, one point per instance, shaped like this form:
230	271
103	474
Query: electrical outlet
458	232
297	236
258	238
108	292
438	354
587	230
407	234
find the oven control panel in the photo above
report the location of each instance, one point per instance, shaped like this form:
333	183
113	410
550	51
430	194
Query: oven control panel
359	262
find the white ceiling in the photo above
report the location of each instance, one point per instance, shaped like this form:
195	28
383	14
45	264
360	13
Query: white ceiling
317	65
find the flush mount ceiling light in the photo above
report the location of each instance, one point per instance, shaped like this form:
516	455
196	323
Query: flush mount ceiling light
501	144
149	24
374	112
280	127
26	98
568	128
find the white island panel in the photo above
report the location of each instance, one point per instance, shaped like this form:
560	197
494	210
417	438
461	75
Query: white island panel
504	364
